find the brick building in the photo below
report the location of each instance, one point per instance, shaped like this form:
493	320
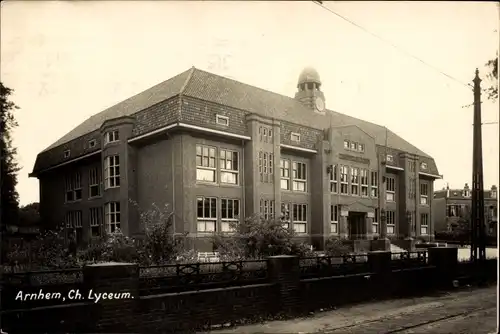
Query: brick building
217	150
452	205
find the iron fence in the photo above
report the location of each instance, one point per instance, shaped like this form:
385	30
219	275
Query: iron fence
46	277
404	260
324	266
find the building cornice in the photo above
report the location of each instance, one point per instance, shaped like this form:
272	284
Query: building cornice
66	162
431	175
296	148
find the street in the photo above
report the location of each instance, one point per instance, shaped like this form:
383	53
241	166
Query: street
465	311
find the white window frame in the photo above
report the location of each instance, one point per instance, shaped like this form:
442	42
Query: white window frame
285	215
222	120
285	169
229	205
92	143
347	144
95	220
355	181
204	154
112	213
74	187
423	165
94	182
424	224
202	221
73	219
299	221
67	154
374	184
353	146
391	222
334	219
299	180
266	170
267	208
424	199
389	158
375	224
295	137
390	189
493	194
112	172
334	180
231	167
111	137
344	181
361	147
363	175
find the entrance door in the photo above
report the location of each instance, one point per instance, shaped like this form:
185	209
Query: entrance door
356	225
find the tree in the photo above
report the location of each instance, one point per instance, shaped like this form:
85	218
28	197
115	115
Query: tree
8	165
493	76
29	215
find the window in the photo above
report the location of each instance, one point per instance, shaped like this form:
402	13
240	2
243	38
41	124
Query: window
265	134
95	220
361	147
299	218
424	193
92	143
423	165
222	120
354	181
424	224
411	188
295	137
374	184
266	167
354	146
206	214
389	158
74	222
346	144
94	183
112	172
230	214
412	166
375	226
285	174
333	179
205	163
67	154
267	209
74	187
343	180
391	221
285	215
111	137
391	189
113	218
228	163
334	219
364	182
493	193
299	176
466	193
456	210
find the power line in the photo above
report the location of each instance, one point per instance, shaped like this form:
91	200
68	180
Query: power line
320	3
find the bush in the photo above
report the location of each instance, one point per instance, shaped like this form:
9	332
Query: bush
336	247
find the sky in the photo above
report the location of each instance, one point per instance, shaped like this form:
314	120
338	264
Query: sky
66	61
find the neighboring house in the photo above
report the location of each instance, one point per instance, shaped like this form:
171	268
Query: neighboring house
452	205
217	150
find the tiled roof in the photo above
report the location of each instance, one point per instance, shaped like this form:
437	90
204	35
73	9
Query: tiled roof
214	88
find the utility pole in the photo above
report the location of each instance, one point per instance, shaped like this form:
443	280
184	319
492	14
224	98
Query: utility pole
478	249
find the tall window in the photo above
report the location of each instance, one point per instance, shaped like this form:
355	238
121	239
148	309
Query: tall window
344	183
391	189
285	215
266	169
299	218
354	181
230	214
285	174
265	134
113	217
74	187
206	214
334	219
228	166
391	222
424	223
299	176
267	209
412	166
424	193
333	179
205	163
74	223
94	183
374	184
95	221
111	137
411	188
364	182
112	172
375	226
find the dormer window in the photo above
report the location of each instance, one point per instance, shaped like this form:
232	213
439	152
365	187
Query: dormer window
111	137
466	193
222	120
494	193
354	146
67	154
92	143
295	137
389	158
423	165
346	144
361	147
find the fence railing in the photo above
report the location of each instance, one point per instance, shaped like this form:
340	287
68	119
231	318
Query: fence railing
323	266
404	260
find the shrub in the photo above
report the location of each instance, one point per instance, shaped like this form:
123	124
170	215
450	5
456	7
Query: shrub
336	247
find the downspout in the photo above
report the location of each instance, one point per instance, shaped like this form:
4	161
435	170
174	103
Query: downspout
242	180
173	187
